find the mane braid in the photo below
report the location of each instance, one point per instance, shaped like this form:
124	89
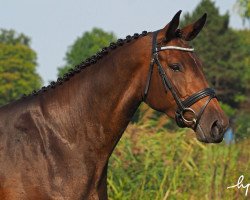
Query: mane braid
89	61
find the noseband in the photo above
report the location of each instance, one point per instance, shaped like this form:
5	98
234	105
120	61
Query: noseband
183	107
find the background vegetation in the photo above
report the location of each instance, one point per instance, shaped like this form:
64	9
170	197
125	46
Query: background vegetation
17	66
85	46
155	159
156	164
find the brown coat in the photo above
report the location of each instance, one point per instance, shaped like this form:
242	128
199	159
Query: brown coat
55	144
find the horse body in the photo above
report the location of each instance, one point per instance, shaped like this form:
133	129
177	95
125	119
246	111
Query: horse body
56	144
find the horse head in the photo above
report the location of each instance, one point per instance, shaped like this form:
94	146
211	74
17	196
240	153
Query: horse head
176	84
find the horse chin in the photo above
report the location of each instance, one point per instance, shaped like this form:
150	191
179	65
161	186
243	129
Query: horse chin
209	140
203	137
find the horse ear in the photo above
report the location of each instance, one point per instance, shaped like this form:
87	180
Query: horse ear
172	26
191	31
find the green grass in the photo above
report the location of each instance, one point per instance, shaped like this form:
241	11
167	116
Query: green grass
151	164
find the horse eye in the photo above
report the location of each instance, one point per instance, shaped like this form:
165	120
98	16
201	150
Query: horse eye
175	67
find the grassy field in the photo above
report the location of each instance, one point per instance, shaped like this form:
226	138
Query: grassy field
154	164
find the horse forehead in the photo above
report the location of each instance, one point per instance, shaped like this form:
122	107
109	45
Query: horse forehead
179	42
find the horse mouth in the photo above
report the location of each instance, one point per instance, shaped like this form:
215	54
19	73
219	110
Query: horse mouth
209	140
216	134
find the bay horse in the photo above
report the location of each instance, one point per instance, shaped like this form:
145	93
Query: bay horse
56	142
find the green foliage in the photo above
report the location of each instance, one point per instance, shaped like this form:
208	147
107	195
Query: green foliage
230	112
11	37
242	125
150	165
85	46
17	66
244	71
242	117
243	8
221	51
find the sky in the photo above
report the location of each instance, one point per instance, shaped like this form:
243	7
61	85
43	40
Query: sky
53	25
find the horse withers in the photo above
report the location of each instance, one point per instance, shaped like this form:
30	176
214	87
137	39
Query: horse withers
56	143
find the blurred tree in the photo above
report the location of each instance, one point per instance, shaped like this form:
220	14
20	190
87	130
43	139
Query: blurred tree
221	51
242	126
243	8
85	46
11	37
244	36
17	66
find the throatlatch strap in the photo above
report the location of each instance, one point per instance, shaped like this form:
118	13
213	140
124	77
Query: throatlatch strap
151	66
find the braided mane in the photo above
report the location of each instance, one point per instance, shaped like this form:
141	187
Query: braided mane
89	61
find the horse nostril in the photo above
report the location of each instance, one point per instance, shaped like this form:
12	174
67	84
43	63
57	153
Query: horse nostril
216	129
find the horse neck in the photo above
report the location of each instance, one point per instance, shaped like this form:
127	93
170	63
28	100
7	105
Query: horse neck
97	104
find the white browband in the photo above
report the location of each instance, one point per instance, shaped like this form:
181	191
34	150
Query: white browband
174	48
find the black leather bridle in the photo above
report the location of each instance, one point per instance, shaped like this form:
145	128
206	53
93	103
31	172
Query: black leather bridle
183	107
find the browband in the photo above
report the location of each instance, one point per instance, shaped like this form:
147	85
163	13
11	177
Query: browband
175	48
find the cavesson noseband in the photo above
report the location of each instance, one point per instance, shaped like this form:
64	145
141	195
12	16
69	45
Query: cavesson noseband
183	107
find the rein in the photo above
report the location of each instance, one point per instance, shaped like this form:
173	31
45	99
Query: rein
183	107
